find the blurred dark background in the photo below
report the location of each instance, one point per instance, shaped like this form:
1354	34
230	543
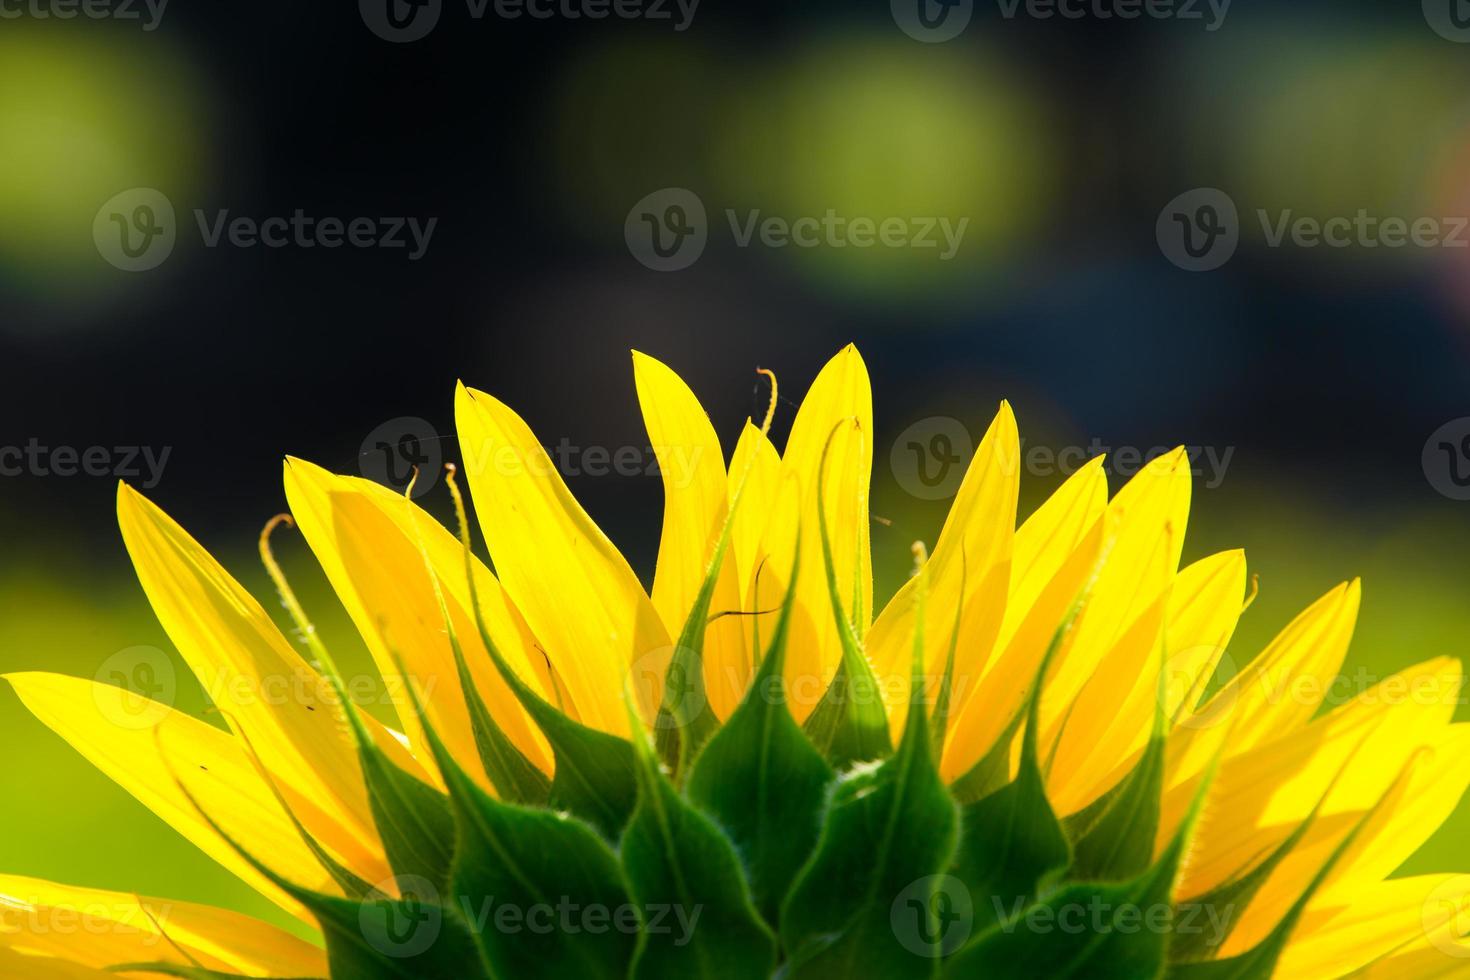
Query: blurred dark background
1330	375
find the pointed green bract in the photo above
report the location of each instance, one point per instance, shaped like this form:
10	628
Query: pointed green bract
412	817
848	724
760	778
684	870
521	874
377	937
1086	930
864	904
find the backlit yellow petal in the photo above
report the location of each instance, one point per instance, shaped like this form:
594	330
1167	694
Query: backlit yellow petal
574	588
1357	751
1054	552
367	539
95	928
257	678
1101	697
1335	939
840	399
122	735
973	553
749	527
696	496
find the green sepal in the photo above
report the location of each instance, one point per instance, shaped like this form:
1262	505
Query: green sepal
365	938
1079	930
848	725
514	777
993	770
761	779
682	867
864	903
412	817
532	861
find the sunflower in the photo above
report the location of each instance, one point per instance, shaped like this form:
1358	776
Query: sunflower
1038	759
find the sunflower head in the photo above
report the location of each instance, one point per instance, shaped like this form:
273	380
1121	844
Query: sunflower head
1037	759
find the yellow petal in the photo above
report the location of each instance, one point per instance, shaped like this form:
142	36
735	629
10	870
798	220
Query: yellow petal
22	966
696	497
840	399
761	480
1259	797
1282	688
1204	607
1445	955
969	570
261	683
367	539
122	735
575	590
1336	939
1100	699
1054	552
95	928
1437	780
